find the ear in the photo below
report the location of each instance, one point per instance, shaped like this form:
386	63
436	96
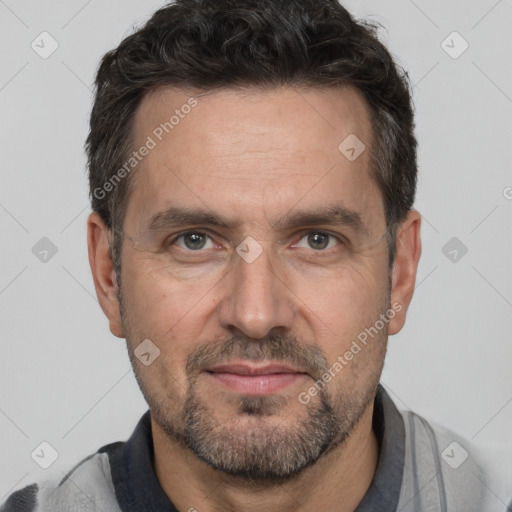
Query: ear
103	273
403	277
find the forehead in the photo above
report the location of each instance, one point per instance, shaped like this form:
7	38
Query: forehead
266	148
305	115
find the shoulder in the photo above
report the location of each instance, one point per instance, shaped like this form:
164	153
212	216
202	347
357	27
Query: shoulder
88	486
455	473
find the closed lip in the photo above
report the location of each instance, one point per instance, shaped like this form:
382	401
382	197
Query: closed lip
245	369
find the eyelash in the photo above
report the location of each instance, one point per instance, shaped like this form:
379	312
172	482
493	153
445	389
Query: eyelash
340	239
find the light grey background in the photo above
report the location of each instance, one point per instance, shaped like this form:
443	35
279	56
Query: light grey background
67	381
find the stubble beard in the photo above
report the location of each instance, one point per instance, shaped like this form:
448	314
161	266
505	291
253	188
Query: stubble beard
248	448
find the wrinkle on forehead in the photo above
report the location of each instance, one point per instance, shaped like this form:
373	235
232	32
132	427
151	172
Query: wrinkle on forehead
244	123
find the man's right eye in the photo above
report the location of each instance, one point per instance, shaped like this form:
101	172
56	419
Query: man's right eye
193	241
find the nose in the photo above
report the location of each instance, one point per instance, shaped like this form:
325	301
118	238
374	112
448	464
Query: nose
256	298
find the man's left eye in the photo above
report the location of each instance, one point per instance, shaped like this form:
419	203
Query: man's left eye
318	240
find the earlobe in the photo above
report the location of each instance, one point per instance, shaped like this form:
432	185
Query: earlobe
403	279
103	273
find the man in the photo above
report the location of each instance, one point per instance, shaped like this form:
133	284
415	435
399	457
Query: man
252	174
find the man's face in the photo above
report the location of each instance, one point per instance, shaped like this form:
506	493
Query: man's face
247	326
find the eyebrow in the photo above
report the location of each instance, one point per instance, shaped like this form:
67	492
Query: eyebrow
175	216
335	215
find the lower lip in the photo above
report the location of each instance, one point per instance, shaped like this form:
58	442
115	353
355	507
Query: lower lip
256	384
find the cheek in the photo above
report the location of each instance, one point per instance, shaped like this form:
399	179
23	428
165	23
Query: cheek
354	290
159	310
339	308
157	295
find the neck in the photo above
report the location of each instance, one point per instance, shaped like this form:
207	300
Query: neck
336	482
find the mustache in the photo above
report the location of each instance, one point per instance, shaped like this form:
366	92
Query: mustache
275	347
